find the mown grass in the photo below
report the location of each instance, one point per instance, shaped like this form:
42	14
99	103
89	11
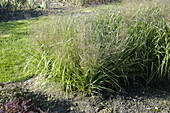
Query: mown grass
110	50
14	45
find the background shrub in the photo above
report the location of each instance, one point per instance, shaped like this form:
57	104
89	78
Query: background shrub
13	5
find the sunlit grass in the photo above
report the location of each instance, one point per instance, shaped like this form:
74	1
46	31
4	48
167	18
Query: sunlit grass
106	51
14	42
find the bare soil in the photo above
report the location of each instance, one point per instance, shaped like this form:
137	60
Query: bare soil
151	100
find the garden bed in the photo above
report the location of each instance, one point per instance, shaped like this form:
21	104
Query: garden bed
136	101
100	59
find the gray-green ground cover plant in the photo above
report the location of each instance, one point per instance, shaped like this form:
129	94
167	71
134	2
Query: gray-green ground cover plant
103	52
12	100
84	2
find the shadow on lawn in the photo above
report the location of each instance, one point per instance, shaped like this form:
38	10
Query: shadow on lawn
13	28
20	15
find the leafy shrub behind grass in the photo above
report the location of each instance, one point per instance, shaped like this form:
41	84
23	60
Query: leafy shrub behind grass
13	5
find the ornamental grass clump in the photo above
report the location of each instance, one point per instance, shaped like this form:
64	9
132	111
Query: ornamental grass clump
66	54
148	45
103	53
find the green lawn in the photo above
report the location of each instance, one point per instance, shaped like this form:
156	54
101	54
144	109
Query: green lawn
14	43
